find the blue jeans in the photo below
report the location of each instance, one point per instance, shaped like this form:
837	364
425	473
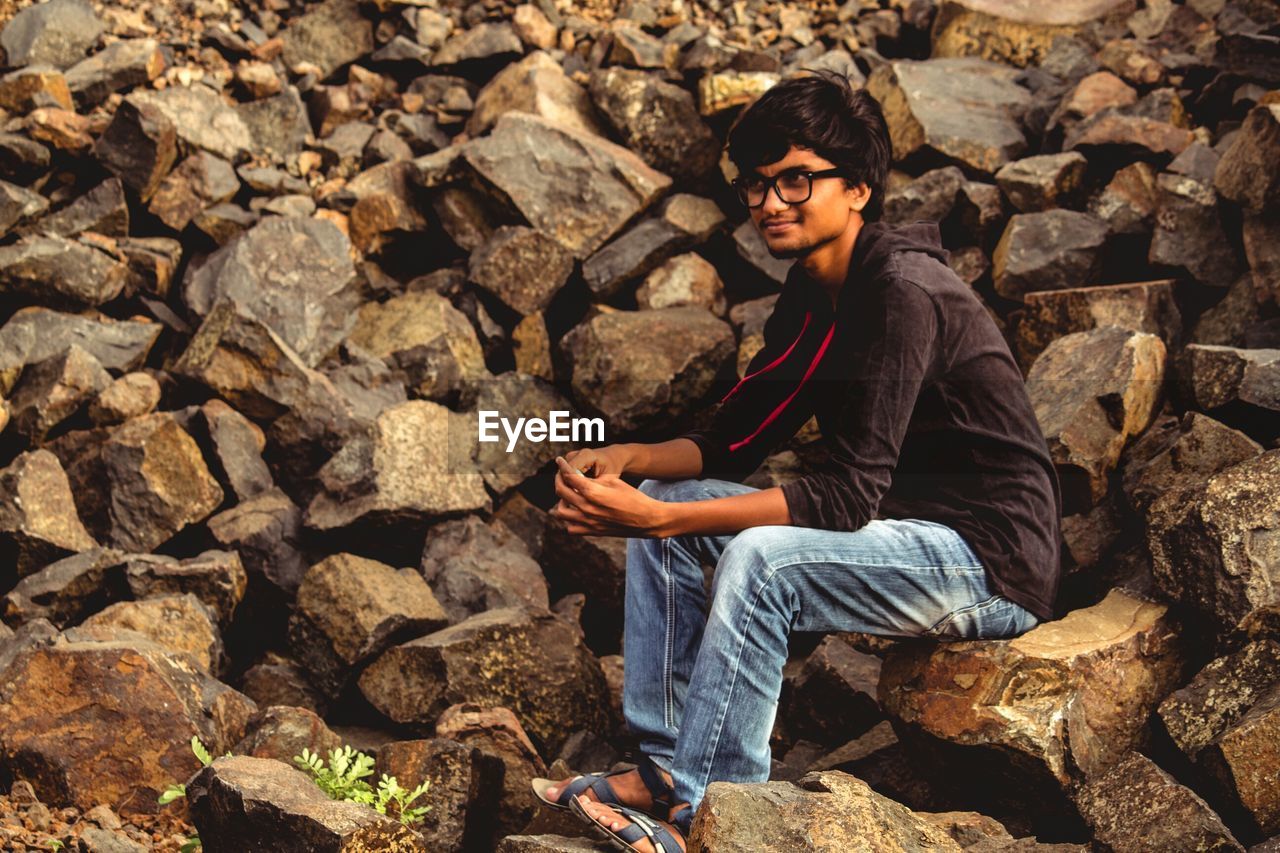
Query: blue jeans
701	684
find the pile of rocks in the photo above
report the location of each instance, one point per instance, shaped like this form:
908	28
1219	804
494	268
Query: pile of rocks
263	262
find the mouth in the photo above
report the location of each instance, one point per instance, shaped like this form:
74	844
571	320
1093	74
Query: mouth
778	226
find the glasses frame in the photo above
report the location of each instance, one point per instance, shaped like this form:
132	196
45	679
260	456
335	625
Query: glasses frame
772	184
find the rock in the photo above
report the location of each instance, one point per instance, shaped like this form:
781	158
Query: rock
1145	306
474	567
266	531
722	91
550	843
278	125
415	463
499	737
159	482
131	395
69	590
1237	386
1020	35
537	85
465	786
282	732
198	182
586	190
38	520
1247	173
120	65
528	661
833	697
237	446
181	624
384	205
1136	799
965	111
1128	202
1174	454
217	578
56	33
828	810
30	89
1085	685
1261	236
512	395
1111	134
249	803
1242	762
329	35
295	275
933	195
1094	92
521	266
657	120
1091	392
424	335
1044	181
1189	237
202	119
1050	250
349	609
277	680
102	209
22	158
532	26
58	272
643	376
686	279
18	204
51	391
139	146
488	43
1197	713
156	704
680	223
1208	543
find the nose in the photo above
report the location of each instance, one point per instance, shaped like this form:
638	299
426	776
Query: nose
772	203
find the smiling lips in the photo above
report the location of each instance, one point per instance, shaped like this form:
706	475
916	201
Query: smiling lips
778	225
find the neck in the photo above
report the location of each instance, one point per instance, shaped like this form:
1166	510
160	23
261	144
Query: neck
828	265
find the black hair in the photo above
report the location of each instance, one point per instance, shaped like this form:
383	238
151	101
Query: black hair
820	111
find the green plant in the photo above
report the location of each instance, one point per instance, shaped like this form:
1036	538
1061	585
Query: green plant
55	844
172	792
343	779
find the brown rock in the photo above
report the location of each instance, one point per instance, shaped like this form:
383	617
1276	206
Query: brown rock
1247	172
1049	250
38	519
474	567
282	732
537	85
1243	762
1019	33
521	266
1174	454
217	578
130	396
139	146
465	786
53	390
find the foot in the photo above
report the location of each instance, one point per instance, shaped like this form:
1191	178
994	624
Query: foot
607	816
628	787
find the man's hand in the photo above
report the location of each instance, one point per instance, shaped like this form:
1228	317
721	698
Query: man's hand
607	506
600	462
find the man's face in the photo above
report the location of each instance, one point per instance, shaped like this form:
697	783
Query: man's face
801	228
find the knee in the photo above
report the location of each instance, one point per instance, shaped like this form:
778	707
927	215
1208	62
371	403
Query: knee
745	561
670	490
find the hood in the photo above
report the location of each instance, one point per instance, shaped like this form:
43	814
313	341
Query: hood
876	243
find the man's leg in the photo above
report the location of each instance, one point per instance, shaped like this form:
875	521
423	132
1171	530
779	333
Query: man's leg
899	577
666	606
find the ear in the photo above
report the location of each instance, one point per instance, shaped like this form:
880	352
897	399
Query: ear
859	196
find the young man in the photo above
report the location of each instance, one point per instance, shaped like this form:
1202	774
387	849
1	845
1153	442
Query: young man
937	514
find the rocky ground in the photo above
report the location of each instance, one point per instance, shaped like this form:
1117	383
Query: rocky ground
263	262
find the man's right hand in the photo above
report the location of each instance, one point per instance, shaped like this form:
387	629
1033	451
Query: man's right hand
600	462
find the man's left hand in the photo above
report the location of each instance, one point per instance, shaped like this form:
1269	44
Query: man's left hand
608	506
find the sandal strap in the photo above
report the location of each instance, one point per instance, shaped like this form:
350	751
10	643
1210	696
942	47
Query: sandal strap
651	776
596	782
644	826
683	819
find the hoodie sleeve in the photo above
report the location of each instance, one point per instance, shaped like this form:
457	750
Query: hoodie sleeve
762	410
895	339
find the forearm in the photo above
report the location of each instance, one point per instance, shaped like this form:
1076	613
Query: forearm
729	514
677	459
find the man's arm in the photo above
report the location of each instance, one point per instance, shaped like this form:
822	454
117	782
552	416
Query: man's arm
729	514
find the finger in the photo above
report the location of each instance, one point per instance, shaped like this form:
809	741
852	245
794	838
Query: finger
575	478
569	496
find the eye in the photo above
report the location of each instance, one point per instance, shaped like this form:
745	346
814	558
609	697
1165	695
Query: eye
793	181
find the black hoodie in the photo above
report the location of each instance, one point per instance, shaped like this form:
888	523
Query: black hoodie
920	402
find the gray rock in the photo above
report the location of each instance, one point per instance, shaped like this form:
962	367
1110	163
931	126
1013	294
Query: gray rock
658	120
251	803
278	125
18	204
329	35
38	519
1174	454
486	41
516	395
1238	386
1050	250
635	367
585	190
58	272
202	119
932	196
414	464
474	567
1091	392
66	591
686	279
1043	181
200	181
266	531
348	609
237	444
295	275
1189	238
1128	202
56	33
681	222
538	85
120	65
53	390
102	210
964	110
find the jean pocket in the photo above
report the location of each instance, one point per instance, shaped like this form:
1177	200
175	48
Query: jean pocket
994	618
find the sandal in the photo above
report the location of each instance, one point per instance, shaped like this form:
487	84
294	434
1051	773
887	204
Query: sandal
642	827
659	790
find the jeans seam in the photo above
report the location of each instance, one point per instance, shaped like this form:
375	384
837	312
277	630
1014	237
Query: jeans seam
668	661
974	608
705	771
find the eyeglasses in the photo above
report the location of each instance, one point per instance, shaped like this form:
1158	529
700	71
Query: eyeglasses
792	187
